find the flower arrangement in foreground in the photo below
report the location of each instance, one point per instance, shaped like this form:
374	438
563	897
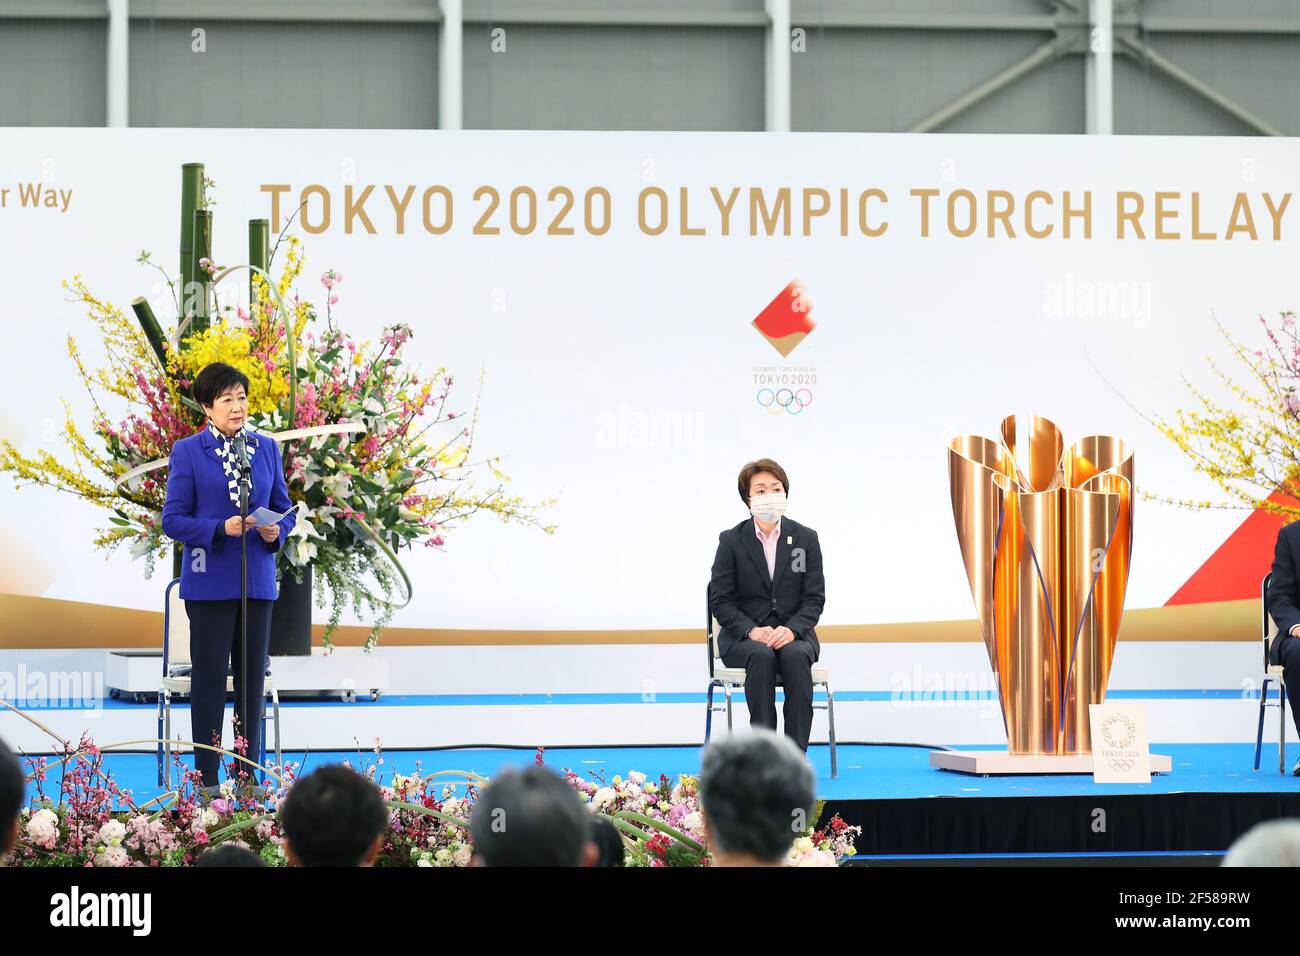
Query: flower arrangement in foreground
89	821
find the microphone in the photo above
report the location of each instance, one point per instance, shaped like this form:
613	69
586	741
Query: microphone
241	454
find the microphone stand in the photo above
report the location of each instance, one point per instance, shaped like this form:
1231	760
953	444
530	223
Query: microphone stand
241	685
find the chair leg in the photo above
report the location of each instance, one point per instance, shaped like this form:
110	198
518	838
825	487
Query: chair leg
1281	727
261	748
708	713
726	689
167	738
275	709
1259	734
160	737
830	717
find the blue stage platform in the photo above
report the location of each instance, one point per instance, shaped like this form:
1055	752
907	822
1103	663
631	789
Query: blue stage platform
865	772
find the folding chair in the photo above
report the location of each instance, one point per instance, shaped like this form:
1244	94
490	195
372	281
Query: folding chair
176	683
1272	672
728	678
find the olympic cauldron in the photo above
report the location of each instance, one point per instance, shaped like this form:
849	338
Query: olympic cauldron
1046	535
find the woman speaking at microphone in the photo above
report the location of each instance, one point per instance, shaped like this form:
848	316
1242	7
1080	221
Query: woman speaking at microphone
202	512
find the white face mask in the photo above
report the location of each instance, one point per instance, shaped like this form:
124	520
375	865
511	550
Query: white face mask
767	507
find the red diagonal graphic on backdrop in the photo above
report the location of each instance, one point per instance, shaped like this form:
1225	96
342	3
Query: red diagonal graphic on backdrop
1233	572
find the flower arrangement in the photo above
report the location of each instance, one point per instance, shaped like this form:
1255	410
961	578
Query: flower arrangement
90	821
1248	441
377	456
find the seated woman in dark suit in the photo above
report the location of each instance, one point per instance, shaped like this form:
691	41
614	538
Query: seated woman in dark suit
767	593
202	512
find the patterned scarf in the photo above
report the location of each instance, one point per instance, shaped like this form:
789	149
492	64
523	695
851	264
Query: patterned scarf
226	452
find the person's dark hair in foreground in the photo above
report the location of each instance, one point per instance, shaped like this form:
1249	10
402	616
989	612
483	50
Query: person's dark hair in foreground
609	844
13	785
756	793
229	854
333	817
531	817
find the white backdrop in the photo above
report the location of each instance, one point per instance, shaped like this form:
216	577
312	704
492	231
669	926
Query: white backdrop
620	367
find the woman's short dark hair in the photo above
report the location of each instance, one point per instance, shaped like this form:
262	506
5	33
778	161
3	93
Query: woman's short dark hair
753	468
215	379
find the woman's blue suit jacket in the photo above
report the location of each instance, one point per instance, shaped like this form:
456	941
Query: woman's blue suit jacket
198	504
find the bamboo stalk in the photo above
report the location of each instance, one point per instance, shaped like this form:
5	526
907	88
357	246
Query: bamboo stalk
191	201
152	330
198	303
259	249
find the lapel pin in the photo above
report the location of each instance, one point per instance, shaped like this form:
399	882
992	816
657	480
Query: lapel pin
789	539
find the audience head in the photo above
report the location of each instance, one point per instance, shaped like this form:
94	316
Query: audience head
333	817
13	785
229	854
531	817
609	843
1273	843
756	793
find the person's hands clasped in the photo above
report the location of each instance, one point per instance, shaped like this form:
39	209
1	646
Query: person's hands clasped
781	636
774	637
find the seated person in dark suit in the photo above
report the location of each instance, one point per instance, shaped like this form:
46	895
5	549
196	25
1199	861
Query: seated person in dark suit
1283	602
767	592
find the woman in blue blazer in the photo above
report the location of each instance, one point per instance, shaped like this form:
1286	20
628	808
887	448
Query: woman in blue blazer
202	512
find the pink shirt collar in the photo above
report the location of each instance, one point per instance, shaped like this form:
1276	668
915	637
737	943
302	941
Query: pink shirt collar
769	545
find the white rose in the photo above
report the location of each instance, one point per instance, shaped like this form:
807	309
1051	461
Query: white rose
112	832
604	797
693	820
803	845
636	776
463	856
112	856
45	815
43	828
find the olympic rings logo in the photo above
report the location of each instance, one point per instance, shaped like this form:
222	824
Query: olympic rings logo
793	402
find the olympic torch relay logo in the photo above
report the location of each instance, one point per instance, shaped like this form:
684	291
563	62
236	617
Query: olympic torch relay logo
787	320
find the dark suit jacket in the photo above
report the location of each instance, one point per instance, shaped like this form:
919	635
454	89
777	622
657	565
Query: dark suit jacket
742	595
1284	587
